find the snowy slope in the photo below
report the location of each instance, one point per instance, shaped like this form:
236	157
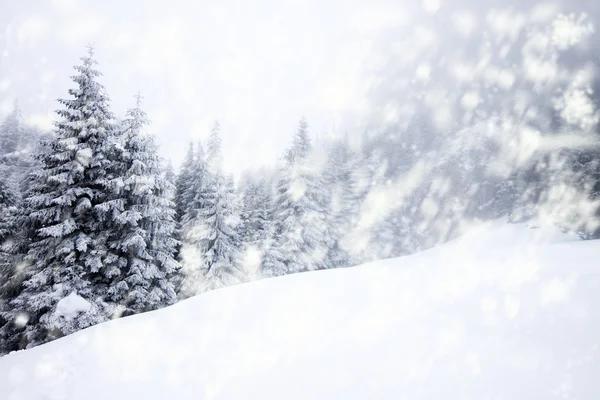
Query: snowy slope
503	313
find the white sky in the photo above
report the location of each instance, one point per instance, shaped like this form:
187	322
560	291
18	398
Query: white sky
257	66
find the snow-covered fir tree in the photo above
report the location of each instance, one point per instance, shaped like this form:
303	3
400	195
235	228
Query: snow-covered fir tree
9	229
11	135
256	223
246	230
198	175
10	271
68	209
211	250
190	202
18	144
255	215
183	184
188	183
171	178
163	242
272	261
144	235
300	230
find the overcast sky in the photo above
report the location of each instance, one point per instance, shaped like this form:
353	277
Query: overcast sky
256	66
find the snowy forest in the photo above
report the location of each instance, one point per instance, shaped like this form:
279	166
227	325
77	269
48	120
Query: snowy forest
96	225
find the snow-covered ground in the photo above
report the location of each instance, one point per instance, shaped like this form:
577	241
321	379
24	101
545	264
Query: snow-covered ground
505	312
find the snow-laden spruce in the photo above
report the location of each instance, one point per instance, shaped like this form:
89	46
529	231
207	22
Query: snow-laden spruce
143	234
68	209
301	236
190	174
255	216
9	200
9	232
190	182
211	247
12	136
18	145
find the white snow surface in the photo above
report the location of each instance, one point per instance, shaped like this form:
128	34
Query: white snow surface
505	312
71	306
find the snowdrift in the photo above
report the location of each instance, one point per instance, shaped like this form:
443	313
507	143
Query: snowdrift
505	312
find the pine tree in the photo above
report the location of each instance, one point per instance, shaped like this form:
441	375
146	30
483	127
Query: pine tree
171	179
183	192
68	209
272	261
11	273
255	214
212	246
214	154
197	179
248	207
256	225
163	242
18	144
143	235
191	203
9	227
300	225
187	184
11	136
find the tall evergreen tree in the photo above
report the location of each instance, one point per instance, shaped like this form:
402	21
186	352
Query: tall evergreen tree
143	235
191	202
187	184
183	192
300	224
171	178
255	212
18	144
163	242
255	227
198	177
9	226
69	211
11	273
212	245
11	135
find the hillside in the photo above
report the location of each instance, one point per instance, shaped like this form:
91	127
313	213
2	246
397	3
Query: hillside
505	312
